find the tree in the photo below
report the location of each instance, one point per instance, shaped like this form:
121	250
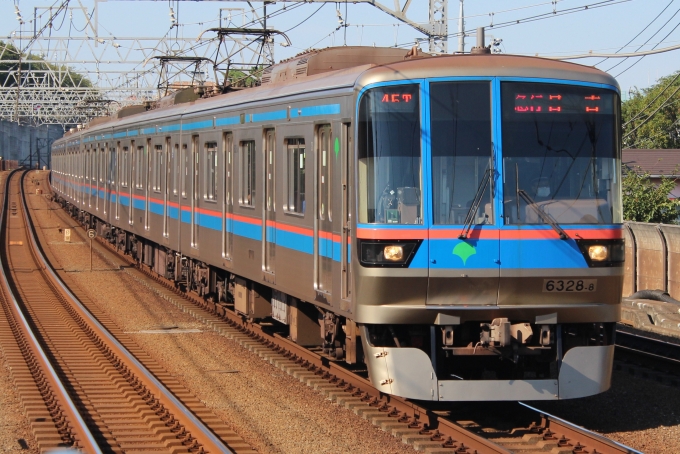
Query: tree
651	117
9	56
643	201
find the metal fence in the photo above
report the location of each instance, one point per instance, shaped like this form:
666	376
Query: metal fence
27	144
652	258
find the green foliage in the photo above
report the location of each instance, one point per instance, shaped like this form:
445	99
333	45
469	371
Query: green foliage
8	62
240	78
643	201
662	130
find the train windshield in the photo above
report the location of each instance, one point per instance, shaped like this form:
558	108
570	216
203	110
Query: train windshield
560	154
389	156
460	129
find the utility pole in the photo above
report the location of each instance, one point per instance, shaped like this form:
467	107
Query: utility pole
16	106
461	30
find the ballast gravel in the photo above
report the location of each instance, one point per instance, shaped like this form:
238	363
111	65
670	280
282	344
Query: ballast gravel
15	430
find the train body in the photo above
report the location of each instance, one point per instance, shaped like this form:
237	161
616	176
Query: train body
454	222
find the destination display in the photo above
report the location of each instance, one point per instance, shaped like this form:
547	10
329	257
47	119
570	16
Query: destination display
562	103
403	100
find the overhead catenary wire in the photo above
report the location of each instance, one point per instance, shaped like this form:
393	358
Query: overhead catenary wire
648	40
308	17
641	139
653	100
542	16
638	61
642	31
628	55
629	133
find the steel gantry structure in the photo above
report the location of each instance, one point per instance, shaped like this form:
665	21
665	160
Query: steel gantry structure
40	85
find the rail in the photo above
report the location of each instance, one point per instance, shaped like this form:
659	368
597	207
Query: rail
192	425
79	430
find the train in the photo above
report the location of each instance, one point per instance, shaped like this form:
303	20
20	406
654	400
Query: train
450	223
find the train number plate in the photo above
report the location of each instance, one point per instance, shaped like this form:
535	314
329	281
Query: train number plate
569	285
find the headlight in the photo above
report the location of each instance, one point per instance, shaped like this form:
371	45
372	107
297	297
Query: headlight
380	253
393	253
598	253
603	252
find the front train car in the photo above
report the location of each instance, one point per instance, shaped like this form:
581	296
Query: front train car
488	227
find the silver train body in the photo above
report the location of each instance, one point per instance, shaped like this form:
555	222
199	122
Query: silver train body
453	222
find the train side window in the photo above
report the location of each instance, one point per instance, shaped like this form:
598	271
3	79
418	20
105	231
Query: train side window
323	141
124	168
139	166
247	177
211	171
102	164
112	165
175	171
296	175
185	169
93	164
158	167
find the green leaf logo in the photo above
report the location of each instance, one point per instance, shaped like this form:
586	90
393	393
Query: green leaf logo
464	251
337	147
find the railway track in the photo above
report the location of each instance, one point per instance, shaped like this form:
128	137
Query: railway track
55	420
93	394
647	357
433	428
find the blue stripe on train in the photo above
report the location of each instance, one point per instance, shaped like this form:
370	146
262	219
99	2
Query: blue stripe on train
514	253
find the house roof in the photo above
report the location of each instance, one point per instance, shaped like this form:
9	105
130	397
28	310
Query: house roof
655	162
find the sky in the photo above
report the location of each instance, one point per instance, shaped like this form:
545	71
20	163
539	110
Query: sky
558	27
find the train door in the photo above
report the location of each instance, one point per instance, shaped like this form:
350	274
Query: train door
88	178
111	182
146	183
97	176
324	231
104	178
228	201
166	186
117	180
464	240
346	235
132	182
269	206
195	188
93	177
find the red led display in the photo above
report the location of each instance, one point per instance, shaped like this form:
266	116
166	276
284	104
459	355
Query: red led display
558	103
396	97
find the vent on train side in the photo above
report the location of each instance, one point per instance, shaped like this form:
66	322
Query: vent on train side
301	68
267	75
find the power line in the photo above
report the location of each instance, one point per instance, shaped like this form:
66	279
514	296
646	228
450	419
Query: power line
638	61
641	139
628	55
554	13
642	31
308	17
652	114
653	100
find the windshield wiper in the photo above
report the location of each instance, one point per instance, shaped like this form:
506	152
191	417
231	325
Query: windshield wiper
546	217
475	204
